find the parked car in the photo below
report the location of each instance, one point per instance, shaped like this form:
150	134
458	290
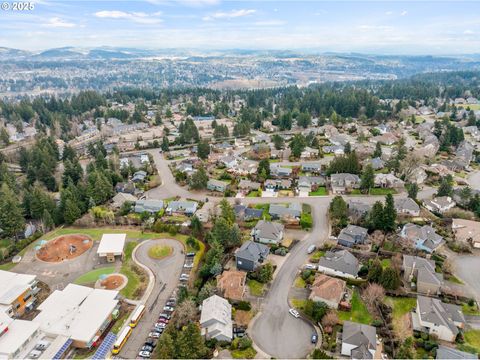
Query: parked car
314	338
190	254
147	348
168	308
165	316
310	267
144	354
154	334
188	266
160	325
34	354
151	343
294	313
311	249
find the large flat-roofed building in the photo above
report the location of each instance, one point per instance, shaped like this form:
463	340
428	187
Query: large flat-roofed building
111	245
79	312
17	292
15	335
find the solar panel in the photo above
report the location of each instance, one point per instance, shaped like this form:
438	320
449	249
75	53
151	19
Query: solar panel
105	346
62	350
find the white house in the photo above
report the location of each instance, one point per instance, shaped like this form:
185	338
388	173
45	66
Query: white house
359	341
216	319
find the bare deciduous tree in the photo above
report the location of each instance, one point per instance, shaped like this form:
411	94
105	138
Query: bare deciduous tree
330	319
373	295
186	313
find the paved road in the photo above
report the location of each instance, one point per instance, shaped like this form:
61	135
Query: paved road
167	272
466	268
275	331
474	180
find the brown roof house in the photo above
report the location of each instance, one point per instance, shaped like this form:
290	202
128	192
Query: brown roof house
467	231
327	289
232	284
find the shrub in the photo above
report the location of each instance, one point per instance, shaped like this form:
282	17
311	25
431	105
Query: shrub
244	305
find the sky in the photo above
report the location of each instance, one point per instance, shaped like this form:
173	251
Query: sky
386	27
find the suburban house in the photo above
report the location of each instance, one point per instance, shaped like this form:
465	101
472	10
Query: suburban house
139	176
217	185
343	183
439	204
305	183
280	211
121	198
467	231
79	312
268	232
358	208
423	237
127	188
448	353
428	281
328	289
388	181
244	213
216	319
181	207
231	284
339	263
280	171
246	186
309	153
407	206
111	245
438	318
17	293
359	341
151	206
312	167
352	235
278	184
250	255
377	163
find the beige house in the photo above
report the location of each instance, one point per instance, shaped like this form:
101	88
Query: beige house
328	289
467	231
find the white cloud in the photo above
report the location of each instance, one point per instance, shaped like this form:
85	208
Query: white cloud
403	13
191	3
138	17
229	15
56	22
376	27
270	23
389	13
469	32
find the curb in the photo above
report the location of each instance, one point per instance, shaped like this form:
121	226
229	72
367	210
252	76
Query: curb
257	348
151	275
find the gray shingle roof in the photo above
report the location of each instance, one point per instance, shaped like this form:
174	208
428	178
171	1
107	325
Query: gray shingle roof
434	311
361	335
341	260
252	251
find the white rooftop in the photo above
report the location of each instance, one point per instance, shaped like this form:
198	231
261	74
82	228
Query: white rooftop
76	311
12	285
112	244
216	317
19	332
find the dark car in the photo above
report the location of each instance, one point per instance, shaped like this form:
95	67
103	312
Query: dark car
314	338
151	343
147	348
190	254
165	316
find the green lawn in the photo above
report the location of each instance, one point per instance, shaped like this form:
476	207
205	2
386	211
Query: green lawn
317	255
256	288
401	305
470	310
355	192
94	275
96	233
471	106
472	339
7	266
358	313
454	279
300	283
248	353
119	322
159	252
382	191
129	291
253	194
298	304
320	192
386	263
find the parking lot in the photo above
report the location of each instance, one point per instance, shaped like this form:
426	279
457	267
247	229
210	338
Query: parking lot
167	274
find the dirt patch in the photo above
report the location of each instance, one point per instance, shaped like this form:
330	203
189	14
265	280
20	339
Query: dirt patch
66	247
242	317
403	326
112	282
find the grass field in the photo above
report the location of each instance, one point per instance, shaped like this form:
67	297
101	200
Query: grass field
470	310
358	313
382	191
300	283
253	194
256	288
473	107
320	192
159	252
94	275
400	307
134	280
472	339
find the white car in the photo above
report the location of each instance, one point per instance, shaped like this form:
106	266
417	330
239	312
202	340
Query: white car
310	267
294	313
154	335
144	354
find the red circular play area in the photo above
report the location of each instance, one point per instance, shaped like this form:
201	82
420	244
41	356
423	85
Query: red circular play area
64	247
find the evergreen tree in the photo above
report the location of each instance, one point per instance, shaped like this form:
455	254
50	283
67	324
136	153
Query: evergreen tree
390	279
11	213
376	217
199	180
72	212
47	220
445	188
378	150
165	347
203	149
165	146
197	226
263	169
190	344
412	189
338	211
375	271
390	213
367	180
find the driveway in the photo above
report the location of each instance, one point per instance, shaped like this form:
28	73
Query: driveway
167	272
